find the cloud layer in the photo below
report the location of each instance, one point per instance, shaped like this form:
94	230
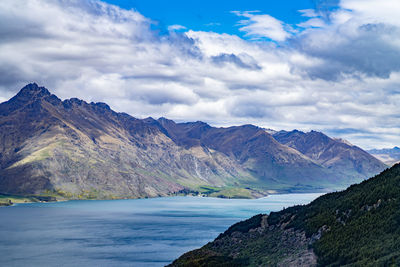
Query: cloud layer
338	71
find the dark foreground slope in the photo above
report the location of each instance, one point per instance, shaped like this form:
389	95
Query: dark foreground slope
356	227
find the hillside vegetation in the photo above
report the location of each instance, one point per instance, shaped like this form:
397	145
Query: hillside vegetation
356	227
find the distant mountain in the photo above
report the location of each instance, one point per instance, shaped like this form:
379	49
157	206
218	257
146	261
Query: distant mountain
356	227
81	150
264	161
76	149
336	154
390	156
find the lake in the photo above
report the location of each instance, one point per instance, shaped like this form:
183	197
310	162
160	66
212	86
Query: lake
138	232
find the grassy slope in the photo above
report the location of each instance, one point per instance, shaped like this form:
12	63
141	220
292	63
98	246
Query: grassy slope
356	227
82	150
7	200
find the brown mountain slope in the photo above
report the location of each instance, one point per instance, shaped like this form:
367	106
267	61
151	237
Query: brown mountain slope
273	164
87	149
80	149
335	154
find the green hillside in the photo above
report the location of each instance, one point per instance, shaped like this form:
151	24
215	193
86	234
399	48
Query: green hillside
356	227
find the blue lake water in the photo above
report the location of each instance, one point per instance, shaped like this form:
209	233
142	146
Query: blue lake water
140	232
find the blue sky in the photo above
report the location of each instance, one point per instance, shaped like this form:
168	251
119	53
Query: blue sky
211	15
325	65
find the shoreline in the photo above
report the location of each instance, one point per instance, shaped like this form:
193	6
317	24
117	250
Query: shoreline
172	196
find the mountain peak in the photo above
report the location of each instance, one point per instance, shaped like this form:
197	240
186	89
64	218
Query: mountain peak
101	105
31	86
33	89
162	155
30	93
164	121
196	123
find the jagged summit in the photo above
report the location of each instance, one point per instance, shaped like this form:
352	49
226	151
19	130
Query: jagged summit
33	90
33	87
30	96
330	152
78	149
101	105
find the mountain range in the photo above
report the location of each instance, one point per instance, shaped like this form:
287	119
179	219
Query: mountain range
332	153
76	149
355	227
389	156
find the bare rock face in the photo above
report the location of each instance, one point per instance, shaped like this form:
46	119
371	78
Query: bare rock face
86	150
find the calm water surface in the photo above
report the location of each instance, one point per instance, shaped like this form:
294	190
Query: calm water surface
141	232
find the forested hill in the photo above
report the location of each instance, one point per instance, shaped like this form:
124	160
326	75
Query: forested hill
356	227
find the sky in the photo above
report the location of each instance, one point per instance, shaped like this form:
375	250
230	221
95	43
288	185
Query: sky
211	15
331	66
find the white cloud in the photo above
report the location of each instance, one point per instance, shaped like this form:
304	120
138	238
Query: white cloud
211	24
341	77
176	27
313	22
374	11
259	26
310	13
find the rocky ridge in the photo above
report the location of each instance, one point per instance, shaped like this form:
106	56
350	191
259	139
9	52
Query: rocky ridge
76	149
